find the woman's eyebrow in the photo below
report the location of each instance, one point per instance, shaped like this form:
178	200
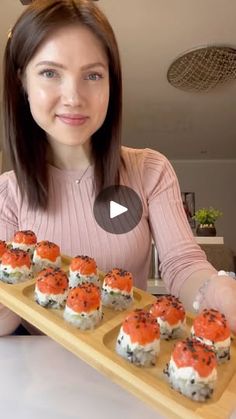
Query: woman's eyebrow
52	63
84	67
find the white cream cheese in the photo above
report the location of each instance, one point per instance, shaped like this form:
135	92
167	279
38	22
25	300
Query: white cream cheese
108	289
21	269
217	345
164	325
74	280
69	310
44	298
125	340
189	373
23	246
44	261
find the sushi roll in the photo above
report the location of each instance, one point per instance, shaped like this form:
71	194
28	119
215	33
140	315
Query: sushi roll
51	288
83	306
3	248
192	369
117	289
83	269
25	240
170	315
46	254
212	328
15	266
139	339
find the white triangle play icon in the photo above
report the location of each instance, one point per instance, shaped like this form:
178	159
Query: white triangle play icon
116	209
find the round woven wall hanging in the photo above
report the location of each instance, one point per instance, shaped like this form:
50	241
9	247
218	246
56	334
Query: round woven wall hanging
201	69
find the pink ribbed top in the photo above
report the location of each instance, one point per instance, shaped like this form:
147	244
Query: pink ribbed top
70	223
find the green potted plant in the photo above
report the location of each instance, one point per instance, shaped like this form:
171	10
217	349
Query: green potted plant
206	218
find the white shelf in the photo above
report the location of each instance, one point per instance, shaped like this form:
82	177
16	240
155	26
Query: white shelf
209	240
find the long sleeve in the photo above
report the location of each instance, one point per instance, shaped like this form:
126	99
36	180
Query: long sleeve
70	223
8	209
9	321
179	254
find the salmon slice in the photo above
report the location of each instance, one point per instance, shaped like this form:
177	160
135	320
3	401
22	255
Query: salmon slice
119	279
47	250
25	237
212	325
169	309
84	298
52	281
84	264
192	353
141	326
16	258
3	247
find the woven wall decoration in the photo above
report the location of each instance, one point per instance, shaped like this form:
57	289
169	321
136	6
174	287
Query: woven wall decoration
201	69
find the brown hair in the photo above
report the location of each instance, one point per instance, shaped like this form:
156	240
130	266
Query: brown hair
26	142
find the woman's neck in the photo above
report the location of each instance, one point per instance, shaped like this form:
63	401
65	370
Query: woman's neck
70	157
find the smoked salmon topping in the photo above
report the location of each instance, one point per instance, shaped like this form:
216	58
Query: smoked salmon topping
52	281
48	250
192	353
3	247
169	309
120	279
212	325
25	237
84	264
84	298
142	327
16	258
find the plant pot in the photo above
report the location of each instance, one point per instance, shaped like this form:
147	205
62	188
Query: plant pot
206	230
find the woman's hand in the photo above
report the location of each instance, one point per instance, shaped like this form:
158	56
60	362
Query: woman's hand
9	321
221	295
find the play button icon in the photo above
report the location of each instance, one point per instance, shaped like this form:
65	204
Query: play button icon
118	209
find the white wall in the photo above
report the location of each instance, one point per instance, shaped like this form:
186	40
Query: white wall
213	182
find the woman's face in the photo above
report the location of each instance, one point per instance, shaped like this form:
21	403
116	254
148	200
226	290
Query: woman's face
67	82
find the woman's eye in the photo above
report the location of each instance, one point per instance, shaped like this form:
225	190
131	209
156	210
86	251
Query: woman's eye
49	74
93	76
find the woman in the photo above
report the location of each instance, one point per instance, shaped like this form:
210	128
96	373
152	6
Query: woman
62	103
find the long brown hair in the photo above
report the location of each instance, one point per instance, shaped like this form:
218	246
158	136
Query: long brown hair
26	142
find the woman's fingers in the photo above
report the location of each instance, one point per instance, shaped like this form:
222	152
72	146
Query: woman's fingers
221	295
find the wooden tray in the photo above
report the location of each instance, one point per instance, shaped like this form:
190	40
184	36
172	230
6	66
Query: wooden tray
96	347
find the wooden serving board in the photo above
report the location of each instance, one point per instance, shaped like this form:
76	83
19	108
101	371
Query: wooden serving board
96	347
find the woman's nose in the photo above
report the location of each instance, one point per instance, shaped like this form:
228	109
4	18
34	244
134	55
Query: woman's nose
72	94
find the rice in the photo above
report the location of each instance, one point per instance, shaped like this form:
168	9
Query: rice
116	300
75	279
221	349
187	381
171	331
16	275
83	320
50	300
140	355
26	247
39	263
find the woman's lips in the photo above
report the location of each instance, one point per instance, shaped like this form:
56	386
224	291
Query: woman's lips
74	120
